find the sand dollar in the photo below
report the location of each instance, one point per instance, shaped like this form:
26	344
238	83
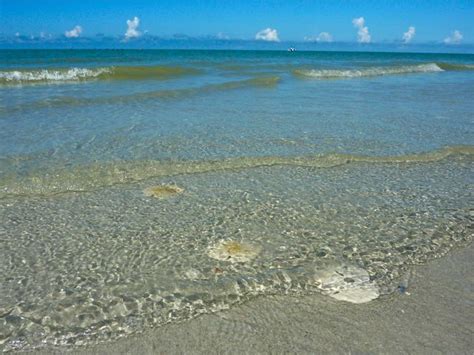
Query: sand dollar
347	283
234	252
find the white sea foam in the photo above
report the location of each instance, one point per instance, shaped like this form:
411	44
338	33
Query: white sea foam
374	71
73	74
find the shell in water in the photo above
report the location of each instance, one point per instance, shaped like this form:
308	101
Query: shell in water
162	191
347	283
233	251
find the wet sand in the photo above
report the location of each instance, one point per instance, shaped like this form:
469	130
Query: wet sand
434	315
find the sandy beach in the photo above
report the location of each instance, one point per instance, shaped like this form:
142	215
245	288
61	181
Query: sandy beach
434	316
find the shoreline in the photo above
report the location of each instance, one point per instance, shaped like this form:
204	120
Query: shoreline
435	315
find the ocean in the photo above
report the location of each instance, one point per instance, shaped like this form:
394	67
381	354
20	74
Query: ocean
145	187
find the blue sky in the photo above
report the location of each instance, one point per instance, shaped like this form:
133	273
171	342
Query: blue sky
291	20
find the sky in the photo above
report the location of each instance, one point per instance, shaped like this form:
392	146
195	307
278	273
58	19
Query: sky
372	21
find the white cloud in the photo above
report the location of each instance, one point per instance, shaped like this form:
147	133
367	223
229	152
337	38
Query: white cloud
268	34
363	35
322	37
408	35
74	33
455	38
132	28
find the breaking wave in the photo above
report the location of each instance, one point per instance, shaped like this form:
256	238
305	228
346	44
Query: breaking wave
95	176
34	76
84	74
322	74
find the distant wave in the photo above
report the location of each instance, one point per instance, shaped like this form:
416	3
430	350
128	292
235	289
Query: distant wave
158	72
95	176
83	74
366	72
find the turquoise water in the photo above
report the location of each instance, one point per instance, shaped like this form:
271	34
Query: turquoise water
313	164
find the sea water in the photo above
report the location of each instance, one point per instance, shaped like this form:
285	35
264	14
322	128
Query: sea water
142	187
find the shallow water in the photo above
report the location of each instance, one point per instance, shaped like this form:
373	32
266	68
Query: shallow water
310	174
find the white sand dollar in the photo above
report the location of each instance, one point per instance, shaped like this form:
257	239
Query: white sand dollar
347	283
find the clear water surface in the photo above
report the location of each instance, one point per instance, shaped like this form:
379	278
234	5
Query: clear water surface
314	164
